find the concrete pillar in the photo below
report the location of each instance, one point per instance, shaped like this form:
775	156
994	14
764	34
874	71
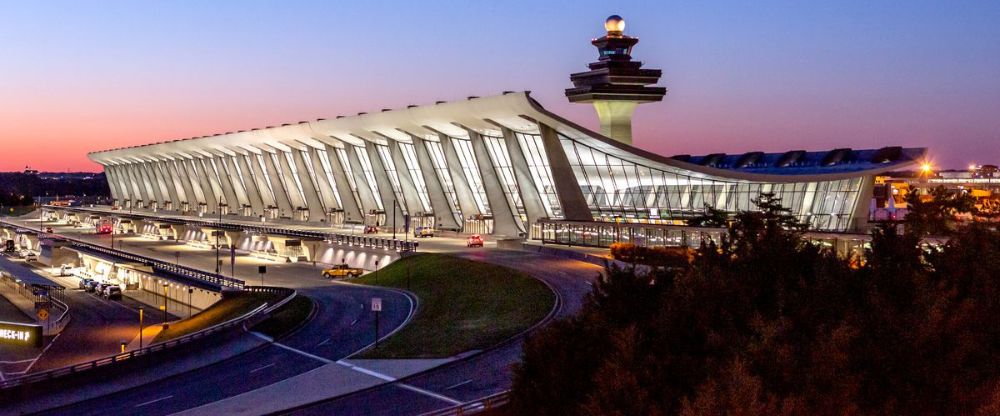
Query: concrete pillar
616	119
172	184
280	193
317	209
349	197
505	221
260	183
116	194
365	192
207	186
463	189
533	207
443	209
226	183
385	188
574	205
406	182
323	185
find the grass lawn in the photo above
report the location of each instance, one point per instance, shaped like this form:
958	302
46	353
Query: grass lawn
464	305
234	305
286	318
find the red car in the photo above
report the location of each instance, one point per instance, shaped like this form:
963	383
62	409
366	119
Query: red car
474	240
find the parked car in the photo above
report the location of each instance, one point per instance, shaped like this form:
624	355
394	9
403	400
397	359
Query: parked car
112	292
30	256
85	283
92	286
66	270
48	229
474	240
371	229
342	270
421	232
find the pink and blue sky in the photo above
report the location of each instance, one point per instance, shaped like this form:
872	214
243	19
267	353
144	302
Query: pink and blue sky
79	76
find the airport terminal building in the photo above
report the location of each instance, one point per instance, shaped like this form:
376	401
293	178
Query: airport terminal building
500	165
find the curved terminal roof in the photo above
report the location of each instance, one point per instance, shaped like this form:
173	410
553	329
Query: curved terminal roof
518	112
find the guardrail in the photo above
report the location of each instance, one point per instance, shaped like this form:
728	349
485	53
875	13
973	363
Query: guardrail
475	406
159	265
253	317
371	242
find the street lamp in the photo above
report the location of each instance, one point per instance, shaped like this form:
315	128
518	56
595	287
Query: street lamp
140	327
165	286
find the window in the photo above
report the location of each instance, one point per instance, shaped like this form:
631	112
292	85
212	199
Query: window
366	168
444	176
541	172
390	169
497	150
328	171
471	170
410	158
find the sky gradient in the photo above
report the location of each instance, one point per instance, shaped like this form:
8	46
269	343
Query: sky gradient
78	76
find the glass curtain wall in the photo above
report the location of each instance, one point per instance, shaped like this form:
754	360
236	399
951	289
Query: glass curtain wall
441	168
497	149
410	158
468	160
324	159
295	175
541	172
366	167
622	190
345	164
390	168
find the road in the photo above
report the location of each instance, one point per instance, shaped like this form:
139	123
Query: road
342	325
477	376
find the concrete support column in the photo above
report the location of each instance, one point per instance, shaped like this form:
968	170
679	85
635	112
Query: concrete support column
443	211
172	184
353	209
280	193
154	181
574	205
207	186
317	209
324	187
463	190
116	194
365	192
259	183
505	221
187	170
385	188
406	182
533	207
616	119
226	183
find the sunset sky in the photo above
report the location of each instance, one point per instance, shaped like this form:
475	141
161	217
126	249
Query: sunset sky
79	76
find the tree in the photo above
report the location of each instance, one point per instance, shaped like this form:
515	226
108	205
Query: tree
712	217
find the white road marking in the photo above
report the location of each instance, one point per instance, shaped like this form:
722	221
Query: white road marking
430	393
297	351
324	342
354	322
43	352
459	384
154	401
261	368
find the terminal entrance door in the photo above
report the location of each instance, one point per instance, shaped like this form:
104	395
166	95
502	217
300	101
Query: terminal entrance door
479	224
246	210
375	218
301	214
335	217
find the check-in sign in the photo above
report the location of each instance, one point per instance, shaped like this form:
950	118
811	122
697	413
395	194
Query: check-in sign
26	335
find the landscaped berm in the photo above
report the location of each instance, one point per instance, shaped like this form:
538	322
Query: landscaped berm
464	305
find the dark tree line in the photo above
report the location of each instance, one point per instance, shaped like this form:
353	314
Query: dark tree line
19	189
765	323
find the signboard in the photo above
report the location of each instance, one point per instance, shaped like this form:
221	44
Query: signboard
261	269
376	304
43	314
25	335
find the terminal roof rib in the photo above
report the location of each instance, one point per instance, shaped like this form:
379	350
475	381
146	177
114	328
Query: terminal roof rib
519	112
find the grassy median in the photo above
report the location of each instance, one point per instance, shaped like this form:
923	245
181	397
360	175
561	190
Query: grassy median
234	305
287	318
464	305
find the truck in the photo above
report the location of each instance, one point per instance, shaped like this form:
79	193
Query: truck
342	271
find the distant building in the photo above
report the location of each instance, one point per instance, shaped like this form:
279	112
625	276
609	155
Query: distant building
30	171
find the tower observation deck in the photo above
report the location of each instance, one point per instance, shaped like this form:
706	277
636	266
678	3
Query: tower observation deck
615	83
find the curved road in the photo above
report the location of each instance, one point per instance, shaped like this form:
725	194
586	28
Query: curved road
477	376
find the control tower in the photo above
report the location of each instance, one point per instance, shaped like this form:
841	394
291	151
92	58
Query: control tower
615	83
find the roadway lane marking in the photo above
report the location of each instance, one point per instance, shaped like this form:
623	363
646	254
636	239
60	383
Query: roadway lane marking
154	401
391	379
430	393
459	384
261	368
323	343
354	322
297	351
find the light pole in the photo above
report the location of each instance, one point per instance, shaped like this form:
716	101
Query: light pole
140	327
217	261
376	272
165	286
